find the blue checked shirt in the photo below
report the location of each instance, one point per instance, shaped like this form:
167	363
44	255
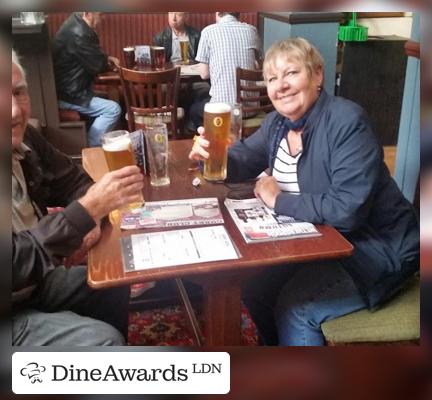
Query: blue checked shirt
224	46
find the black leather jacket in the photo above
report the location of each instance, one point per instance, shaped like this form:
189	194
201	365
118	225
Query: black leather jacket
77	58
164	39
53	179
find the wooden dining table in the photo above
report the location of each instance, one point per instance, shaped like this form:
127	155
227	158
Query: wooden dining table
220	280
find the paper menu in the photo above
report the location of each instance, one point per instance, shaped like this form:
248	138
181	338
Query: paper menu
177	247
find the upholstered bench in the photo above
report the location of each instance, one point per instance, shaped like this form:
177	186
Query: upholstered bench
69	115
71	138
396	322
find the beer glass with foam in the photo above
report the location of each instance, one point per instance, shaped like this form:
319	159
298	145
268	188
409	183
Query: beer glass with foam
158	55
118	151
129	56
184	50
217	125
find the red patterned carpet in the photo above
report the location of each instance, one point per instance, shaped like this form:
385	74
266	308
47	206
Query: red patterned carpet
168	326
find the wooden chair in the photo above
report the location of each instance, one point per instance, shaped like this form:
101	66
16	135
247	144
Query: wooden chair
252	95
150	96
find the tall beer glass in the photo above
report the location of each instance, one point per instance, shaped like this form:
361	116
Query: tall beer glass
217	125
117	147
184	50
158	55
129	56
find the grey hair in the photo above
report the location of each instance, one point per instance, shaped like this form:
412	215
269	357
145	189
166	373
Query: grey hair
16	61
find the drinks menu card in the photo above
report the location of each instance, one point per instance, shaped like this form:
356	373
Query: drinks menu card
177	247
174	213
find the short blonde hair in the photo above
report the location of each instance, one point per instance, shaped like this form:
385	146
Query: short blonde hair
298	49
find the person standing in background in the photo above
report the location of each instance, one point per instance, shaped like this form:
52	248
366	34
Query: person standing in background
78	59
223	47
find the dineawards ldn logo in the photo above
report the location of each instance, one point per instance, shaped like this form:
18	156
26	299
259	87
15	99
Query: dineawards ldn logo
33	371
128	372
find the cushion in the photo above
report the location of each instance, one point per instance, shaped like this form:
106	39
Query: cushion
164	117
396	320
255	121
69	115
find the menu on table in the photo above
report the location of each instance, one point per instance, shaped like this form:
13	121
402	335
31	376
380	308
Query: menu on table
177	247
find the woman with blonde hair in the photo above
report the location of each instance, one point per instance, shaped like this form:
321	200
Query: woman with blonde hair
326	167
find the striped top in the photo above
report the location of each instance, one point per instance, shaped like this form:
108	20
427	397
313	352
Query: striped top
224	46
285	169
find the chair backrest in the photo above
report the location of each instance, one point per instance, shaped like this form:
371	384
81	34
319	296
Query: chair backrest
252	95
150	93
252	92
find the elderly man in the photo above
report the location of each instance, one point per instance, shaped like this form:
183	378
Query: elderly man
78	58
223	47
52	304
170	37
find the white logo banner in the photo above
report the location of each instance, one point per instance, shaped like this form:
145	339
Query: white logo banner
120	372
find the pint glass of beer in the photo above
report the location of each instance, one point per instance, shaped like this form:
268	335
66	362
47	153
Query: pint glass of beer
117	147
158	55
217	125
129	56
184	50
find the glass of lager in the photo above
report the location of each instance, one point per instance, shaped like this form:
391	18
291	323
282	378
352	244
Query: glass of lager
117	147
184	50
217	125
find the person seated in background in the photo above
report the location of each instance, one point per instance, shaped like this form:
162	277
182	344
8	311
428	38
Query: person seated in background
223	47
170	37
52	304
78	59
326	167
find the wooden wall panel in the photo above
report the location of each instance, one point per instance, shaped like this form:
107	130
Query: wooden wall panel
121	29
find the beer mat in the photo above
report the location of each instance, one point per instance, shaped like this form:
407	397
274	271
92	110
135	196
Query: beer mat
138	146
174	213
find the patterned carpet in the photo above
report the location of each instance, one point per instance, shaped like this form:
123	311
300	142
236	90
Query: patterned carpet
168	326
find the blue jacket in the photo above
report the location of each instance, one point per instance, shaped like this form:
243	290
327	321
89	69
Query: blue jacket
343	183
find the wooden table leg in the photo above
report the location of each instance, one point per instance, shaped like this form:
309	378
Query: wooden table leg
222	312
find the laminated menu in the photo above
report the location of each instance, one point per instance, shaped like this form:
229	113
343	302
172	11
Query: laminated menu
174	213
177	247
258	223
